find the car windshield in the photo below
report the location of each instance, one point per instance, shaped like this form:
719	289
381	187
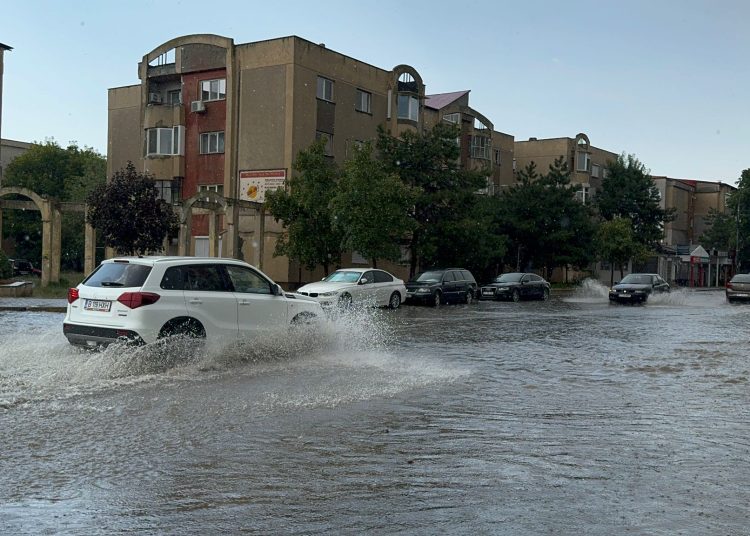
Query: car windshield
343	277
425	277
508	278
636	279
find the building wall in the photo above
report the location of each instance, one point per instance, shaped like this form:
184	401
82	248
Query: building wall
9	151
124	134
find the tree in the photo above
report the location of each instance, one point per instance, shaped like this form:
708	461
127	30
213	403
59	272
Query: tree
311	238
65	174
128	213
6	270
547	226
429	163
721	230
629	192
371	208
738	205
616	243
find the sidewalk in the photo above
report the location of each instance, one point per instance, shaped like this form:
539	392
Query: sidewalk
33	304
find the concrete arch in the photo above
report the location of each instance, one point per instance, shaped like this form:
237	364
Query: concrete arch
41	203
216	205
192	39
582	137
398	70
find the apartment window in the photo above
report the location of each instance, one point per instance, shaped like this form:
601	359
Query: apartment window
174	97
364	102
212	142
329	141
408	107
212	90
480	147
498	157
595	170
169	190
583	161
165	141
218	188
325	89
454	118
583	195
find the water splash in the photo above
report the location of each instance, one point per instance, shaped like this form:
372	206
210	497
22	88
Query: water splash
590	291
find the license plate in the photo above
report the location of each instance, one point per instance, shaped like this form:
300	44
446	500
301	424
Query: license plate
98	305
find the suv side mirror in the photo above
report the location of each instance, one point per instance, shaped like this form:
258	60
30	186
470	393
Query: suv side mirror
277	290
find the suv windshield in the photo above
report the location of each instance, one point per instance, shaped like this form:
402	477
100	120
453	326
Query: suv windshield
428	276
343	277
636	279
508	278
118	274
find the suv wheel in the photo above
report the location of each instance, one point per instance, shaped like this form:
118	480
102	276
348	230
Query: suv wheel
437	298
468	297
188	327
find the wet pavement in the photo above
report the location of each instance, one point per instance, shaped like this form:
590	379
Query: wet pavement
570	416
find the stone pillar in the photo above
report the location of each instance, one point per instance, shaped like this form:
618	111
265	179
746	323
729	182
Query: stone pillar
261	236
46	250
213	235
1	228
89	249
109	253
184	240
54	275
230	238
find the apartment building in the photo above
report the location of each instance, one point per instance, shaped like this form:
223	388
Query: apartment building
482	147
586	162
3	50
210	115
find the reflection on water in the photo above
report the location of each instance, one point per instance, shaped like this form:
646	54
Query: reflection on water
571	416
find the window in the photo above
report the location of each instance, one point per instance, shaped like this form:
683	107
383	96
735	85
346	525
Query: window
247	281
369	276
364	101
204	277
583	161
382	277
480	147
218	188
212	142
329	141
595	170
498	157
214	89
325	89
165	141
408	107
583	194
169	190
452	118
174	96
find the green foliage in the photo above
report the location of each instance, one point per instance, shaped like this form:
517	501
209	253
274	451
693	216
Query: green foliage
616	243
629	192
371	208
721	230
547	226
6	270
428	162
128	213
311	238
66	174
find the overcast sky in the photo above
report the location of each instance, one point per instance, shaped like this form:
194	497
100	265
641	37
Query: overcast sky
667	80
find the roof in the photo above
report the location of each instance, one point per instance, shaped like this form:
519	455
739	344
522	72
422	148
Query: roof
441	100
5	47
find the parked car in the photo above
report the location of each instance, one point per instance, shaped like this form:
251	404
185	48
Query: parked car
636	288
447	285
23	267
516	286
738	288
146	298
362	286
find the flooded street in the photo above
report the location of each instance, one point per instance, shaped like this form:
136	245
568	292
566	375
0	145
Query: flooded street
571	416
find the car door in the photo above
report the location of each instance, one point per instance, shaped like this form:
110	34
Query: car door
537	286
367	288
384	286
258	308
450	285
526	289
209	299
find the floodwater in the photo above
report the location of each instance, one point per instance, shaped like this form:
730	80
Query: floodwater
570	416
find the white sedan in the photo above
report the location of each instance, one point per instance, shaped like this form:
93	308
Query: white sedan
365	286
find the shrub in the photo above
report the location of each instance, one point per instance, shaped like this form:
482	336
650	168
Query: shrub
6	270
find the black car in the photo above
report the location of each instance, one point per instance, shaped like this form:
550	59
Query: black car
22	267
636	288
446	285
516	286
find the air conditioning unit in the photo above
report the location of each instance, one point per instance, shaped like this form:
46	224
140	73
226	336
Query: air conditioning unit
197	106
154	98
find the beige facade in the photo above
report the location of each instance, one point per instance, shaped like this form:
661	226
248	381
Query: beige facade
587	163
482	147
207	114
3	49
9	151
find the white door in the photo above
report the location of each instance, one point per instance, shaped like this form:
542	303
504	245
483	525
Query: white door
209	299
258	309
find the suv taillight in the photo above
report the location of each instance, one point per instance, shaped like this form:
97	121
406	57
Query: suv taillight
72	295
133	300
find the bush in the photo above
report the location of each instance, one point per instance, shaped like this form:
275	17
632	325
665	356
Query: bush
6	270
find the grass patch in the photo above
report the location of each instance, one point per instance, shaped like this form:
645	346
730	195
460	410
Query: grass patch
53	290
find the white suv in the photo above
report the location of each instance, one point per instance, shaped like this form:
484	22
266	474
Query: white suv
145	298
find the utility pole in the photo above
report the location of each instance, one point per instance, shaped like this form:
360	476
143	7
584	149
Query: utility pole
3	48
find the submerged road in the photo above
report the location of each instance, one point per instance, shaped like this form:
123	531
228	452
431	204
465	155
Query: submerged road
570	416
